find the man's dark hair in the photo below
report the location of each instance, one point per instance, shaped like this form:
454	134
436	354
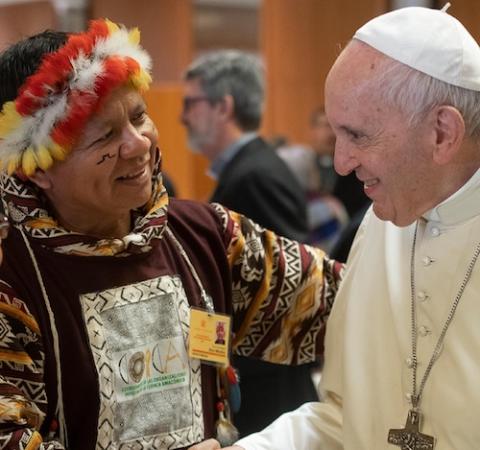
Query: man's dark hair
22	59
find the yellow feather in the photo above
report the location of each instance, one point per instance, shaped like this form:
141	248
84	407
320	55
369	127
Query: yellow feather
112	27
13	164
9	119
57	151
134	36
141	80
44	158
29	161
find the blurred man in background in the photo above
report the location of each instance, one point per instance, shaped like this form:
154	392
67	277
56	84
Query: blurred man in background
312	164
223	105
322	142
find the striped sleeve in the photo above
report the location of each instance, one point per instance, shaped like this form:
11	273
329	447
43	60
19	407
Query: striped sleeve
283	292
22	391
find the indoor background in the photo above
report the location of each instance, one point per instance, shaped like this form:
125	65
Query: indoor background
297	39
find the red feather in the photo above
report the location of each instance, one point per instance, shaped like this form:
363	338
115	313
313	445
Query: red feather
56	68
81	105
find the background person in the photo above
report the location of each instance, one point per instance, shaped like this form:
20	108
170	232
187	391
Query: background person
322	142
224	97
313	166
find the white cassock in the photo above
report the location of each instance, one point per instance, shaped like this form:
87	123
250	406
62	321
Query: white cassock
367	378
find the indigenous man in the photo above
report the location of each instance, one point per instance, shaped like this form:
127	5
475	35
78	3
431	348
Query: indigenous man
100	347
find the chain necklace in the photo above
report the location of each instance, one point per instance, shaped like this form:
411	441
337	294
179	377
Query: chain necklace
410	438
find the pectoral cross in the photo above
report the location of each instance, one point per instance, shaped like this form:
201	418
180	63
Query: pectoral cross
410	438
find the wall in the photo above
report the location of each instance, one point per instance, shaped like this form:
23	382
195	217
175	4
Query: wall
23	19
300	40
468	12
166	27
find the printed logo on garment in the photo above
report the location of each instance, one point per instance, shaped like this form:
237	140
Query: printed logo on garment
149	388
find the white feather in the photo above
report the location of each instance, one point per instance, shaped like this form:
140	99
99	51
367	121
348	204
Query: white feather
119	44
46	119
112	44
33	130
86	71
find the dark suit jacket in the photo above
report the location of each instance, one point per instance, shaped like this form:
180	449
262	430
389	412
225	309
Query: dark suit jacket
258	184
349	190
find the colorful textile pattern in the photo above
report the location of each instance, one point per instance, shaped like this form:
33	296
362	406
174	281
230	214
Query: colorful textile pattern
23	400
282	295
55	103
27	440
283	292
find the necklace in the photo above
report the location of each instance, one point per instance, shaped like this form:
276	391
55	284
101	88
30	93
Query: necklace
409	437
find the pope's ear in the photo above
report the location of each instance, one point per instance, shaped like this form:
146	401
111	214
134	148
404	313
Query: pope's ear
449	133
41	179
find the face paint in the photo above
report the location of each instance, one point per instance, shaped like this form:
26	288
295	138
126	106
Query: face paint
104	158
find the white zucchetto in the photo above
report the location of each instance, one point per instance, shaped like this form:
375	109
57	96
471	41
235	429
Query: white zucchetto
428	40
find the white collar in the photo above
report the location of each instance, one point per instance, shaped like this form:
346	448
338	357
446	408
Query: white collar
460	206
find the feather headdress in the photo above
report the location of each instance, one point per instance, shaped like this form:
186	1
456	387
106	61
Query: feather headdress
54	103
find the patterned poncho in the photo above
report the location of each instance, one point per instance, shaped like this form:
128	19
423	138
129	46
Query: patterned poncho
278	292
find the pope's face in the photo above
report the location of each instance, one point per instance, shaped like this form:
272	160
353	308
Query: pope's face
109	170
390	157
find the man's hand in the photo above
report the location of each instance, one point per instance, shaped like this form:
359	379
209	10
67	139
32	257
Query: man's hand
212	444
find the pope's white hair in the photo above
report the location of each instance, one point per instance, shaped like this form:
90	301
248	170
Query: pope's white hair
416	93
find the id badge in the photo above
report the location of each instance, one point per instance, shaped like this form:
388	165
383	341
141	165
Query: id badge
209	338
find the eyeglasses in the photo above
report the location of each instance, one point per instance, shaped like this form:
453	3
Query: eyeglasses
4	226
189	101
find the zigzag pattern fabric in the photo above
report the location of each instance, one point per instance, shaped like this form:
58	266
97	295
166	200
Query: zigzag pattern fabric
282	294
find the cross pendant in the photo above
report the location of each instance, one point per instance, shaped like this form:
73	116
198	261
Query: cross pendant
410	438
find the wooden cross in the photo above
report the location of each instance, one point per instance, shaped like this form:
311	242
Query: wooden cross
410	438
